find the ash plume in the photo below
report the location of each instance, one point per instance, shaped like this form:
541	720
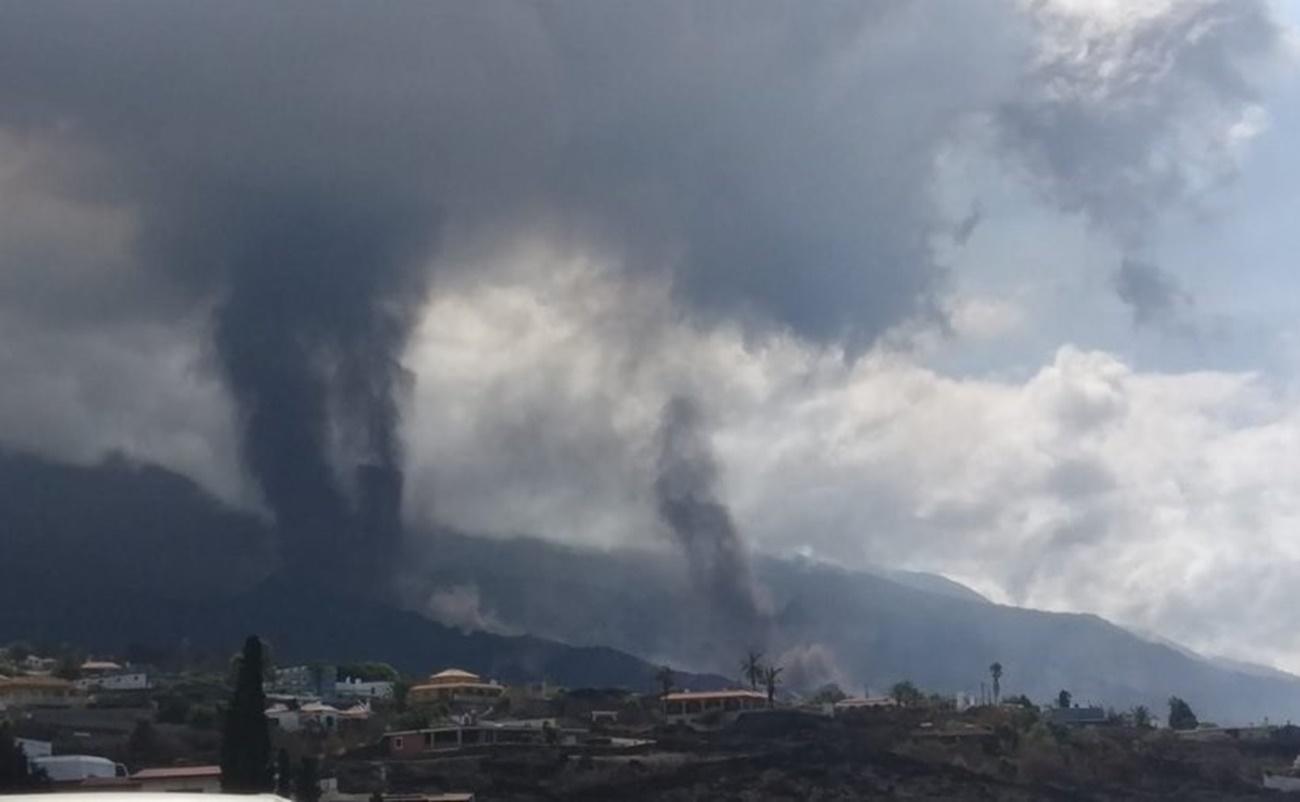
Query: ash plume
285	168
308	338
687	499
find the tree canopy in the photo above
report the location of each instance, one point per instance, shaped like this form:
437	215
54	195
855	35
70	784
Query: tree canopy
1181	716
369	672
829	693
906	693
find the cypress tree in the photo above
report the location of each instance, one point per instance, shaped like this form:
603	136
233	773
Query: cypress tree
246	739
283	774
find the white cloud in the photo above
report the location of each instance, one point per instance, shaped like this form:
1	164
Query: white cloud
1166	501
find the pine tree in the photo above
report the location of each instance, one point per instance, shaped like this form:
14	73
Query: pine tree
246	739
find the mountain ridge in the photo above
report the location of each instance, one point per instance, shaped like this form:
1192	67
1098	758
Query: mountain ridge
90	547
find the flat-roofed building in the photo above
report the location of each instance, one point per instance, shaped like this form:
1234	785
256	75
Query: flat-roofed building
693	707
36	691
414	743
125	681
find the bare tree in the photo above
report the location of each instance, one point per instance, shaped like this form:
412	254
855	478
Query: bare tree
752	668
772	678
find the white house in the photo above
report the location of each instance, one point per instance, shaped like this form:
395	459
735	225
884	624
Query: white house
314	715
854	703
39	665
353	688
131	681
284	718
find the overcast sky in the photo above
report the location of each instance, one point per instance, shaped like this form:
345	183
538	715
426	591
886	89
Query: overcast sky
1002	290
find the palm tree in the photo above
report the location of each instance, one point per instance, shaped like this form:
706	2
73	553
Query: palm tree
772	678
752	668
996	671
666	679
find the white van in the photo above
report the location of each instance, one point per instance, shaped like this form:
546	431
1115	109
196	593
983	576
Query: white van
73	768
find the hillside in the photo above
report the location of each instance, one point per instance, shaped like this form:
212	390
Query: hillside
119	554
116	553
856	628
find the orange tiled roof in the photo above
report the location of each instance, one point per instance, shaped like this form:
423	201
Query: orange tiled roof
693	696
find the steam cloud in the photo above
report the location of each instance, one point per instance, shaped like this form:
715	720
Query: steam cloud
687	498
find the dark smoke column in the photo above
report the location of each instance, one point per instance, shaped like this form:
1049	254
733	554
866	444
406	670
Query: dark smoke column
686	494
320	302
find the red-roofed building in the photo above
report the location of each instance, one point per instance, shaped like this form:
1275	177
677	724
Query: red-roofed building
185	779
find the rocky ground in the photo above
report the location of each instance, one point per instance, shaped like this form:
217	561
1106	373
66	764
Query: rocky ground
881	758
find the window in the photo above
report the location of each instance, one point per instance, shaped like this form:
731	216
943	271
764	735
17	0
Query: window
397	743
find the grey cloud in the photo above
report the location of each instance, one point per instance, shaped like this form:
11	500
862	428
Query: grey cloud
297	166
292	166
967	225
774	159
767	156
1122	122
1153	294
